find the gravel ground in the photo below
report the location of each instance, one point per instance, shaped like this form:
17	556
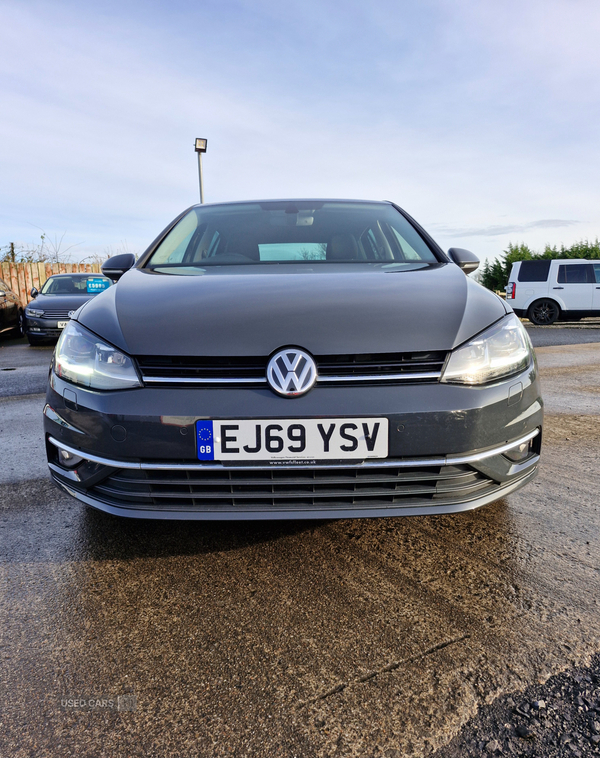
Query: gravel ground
363	638
571	334
558	718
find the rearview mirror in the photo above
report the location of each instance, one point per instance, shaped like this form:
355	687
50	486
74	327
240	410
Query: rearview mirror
34	292
464	259
115	267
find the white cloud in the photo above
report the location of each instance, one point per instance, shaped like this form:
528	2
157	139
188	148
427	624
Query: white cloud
477	118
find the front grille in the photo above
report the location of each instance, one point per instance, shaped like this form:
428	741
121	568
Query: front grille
189	368
387	367
331	369
292	489
58	313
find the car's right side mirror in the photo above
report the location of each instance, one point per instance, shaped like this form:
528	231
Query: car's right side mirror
115	267
465	259
34	292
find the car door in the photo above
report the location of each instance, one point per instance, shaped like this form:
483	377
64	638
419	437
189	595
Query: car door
596	285
12	308
4	306
575	283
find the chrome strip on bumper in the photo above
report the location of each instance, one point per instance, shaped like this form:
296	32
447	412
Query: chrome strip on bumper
381	377
448	460
263	380
202	380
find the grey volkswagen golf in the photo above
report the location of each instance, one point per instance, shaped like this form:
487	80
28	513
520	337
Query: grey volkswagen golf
293	359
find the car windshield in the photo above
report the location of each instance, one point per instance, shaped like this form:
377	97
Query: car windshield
75	285
300	232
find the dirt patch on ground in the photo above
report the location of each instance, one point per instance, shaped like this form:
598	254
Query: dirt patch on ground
560	428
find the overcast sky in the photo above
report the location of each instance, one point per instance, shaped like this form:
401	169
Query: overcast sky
480	118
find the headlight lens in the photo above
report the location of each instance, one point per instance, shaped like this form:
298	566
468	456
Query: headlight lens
33	313
83	358
500	351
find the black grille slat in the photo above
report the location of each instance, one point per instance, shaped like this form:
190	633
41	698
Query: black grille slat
292	492
181	369
318	477
59	313
200	367
232	489
380	364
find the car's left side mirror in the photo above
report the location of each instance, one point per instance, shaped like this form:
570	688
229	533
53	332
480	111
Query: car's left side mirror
465	259
115	267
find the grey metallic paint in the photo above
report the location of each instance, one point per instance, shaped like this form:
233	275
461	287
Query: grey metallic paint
325	309
230	310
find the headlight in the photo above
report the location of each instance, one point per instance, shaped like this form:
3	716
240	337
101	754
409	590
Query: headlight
500	351
83	358
33	313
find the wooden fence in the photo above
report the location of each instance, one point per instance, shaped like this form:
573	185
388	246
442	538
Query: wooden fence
21	277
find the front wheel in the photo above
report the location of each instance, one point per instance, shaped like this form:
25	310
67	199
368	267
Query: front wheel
543	312
19	329
35	341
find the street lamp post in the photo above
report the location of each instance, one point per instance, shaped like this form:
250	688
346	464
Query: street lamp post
200	147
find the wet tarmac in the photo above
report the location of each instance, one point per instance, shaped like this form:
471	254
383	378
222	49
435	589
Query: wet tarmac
342	638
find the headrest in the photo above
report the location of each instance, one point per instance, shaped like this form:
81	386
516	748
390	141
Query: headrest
342	247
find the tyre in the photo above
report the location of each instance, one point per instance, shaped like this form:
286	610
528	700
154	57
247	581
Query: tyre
543	312
19	331
35	341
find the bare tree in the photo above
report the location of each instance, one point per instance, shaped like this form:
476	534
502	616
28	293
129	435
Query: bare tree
53	250
122	247
15	252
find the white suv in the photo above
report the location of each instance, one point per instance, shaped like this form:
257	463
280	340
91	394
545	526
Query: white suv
545	290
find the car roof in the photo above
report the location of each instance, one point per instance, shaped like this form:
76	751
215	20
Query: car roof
78	274
556	261
294	200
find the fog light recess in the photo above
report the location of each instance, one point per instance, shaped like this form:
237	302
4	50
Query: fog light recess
520	452
69	460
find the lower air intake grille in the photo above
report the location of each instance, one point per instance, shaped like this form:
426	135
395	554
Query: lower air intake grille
291	489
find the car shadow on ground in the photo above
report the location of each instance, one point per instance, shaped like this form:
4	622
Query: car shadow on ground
108	537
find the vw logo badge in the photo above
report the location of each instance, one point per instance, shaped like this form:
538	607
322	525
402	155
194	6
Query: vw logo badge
71	314
291	372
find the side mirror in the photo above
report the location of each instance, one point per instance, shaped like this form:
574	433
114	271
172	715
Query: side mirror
34	292
115	267
464	259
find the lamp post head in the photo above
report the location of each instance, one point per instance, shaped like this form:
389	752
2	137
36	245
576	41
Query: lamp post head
200	145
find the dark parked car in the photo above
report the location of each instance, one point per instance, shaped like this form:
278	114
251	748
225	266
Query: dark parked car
293	359
62	294
11	312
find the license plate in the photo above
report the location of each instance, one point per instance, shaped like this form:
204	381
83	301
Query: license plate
62	324
292	439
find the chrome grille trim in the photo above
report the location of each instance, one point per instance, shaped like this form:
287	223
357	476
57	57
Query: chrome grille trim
203	380
238	370
448	460
58	314
407	377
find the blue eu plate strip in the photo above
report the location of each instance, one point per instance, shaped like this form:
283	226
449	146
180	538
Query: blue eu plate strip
204	441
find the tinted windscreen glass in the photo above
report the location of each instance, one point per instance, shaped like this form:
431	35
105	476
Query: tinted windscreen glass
534	271
291	232
576	274
75	285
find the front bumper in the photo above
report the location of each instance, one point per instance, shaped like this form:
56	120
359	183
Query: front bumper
447	451
43	328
